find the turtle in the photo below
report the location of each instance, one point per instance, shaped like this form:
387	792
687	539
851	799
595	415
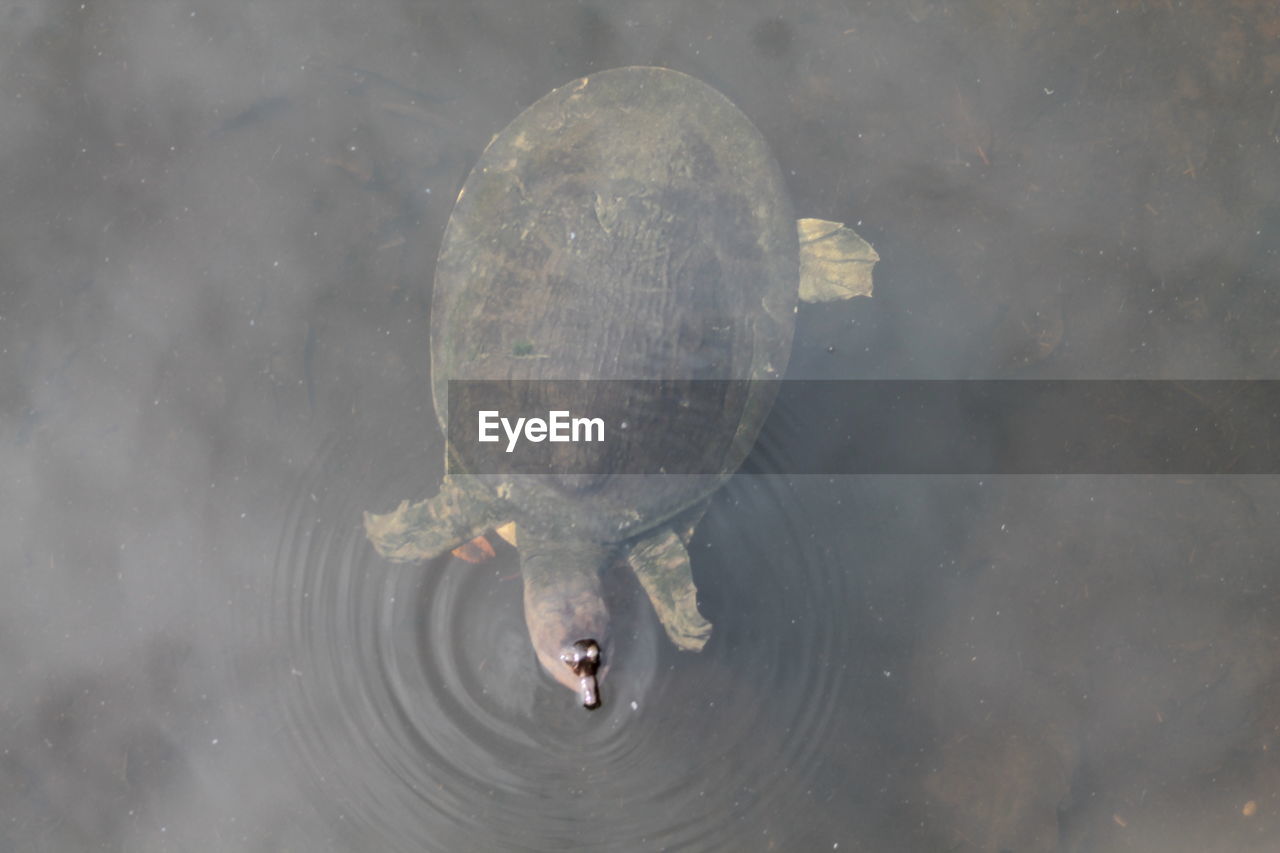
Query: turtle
629	225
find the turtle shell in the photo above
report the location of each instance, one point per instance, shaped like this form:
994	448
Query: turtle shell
632	224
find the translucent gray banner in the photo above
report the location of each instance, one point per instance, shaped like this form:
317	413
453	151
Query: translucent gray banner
979	427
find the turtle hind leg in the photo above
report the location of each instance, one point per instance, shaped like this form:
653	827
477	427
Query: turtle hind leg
835	263
427	529
661	564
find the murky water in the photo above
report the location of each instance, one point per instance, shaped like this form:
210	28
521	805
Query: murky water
217	232
420	684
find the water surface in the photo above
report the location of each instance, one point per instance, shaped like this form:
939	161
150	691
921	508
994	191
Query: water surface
219	225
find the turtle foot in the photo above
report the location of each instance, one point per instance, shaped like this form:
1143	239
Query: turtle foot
427	529
661	564
835	263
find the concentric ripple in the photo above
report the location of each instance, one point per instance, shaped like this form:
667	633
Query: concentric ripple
413	701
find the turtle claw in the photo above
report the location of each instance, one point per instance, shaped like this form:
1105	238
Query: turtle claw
478	550
661	564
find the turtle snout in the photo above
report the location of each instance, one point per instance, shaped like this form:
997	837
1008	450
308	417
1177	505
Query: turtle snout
584	660
565	611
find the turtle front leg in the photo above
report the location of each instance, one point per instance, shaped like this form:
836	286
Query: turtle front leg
661	564
427	529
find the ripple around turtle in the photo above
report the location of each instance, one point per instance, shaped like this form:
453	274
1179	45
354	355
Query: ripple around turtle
413	701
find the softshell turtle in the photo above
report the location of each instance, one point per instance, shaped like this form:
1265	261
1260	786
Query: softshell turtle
629	225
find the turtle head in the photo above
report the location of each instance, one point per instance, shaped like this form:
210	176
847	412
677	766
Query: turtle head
566	614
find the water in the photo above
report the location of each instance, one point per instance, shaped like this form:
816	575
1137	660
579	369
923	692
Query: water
216	239
420	684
